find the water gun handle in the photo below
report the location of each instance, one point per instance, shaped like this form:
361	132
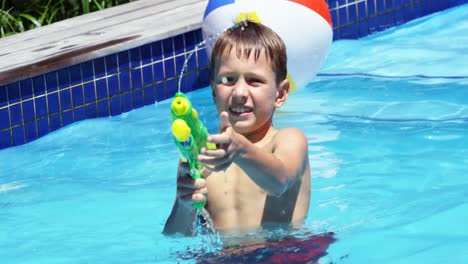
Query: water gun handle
190	135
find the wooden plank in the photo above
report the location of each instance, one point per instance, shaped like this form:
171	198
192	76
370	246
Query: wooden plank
76	22
94	33
99	36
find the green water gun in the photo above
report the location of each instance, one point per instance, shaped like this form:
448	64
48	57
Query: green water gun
190	135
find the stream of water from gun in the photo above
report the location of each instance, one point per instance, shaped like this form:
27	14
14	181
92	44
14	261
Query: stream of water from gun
206	230
184	68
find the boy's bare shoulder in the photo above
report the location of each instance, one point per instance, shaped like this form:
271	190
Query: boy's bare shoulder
291	136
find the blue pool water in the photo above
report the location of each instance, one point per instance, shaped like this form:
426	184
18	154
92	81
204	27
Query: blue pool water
387	123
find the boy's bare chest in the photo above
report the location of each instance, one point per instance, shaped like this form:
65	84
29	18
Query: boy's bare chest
233	189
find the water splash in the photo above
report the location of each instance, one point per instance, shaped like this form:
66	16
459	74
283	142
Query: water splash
205	230
184	68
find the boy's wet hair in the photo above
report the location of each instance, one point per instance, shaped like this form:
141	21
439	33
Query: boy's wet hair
248	37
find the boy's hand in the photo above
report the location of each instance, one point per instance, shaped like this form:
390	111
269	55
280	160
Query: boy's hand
190	191
227	146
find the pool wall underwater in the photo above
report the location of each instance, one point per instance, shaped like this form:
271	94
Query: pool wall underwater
131	78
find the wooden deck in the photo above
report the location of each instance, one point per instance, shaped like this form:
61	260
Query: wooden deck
94	35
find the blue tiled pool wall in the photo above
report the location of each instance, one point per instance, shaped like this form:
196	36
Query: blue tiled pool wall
357	18
130	79
102	87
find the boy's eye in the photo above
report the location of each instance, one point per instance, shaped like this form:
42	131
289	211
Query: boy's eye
227	80
256	81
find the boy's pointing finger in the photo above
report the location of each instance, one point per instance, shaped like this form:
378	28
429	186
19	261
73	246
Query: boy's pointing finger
219	139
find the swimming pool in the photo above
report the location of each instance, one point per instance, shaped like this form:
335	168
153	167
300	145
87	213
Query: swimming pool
387	122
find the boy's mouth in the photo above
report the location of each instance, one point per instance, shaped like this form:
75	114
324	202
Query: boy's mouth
240	110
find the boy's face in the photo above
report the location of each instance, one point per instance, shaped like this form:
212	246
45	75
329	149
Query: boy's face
247	90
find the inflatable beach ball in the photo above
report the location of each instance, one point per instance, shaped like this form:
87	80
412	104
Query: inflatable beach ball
304	25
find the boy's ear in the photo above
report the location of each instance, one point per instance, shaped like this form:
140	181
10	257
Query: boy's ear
283	91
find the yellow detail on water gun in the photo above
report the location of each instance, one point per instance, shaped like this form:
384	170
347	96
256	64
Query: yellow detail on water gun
190	135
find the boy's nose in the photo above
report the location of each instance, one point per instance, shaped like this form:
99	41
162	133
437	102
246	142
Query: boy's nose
240	91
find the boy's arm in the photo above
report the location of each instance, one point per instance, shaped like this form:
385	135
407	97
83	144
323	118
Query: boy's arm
181	220
182	217
273	171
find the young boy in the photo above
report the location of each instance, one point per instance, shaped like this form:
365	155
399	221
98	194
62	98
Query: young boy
258	174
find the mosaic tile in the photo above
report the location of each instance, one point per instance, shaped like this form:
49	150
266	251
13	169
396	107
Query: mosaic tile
184	87
127	102
363	28
158	71
202	58
55	122
14	94
334	17
168	47
169	68
87	71
116	107
160	87
145	52
79	114
112	65
179	44
189	39
371	8
65	100
75	74
3	96
135	57
192	61
113	85
123	60
399	19
342	2
101	89
198	36
99	65
156	51
124	83
5	139
136	78
67	118
138	100
147	72
39	85
380	6
77	95
51	80
179	64
18	135
42	127
30	131
171	88
28	111
353	30
192	79
150	95
417	9
26	89
63	78
4	118
103	108
91	110
390	19
40	106
352	14
89	92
